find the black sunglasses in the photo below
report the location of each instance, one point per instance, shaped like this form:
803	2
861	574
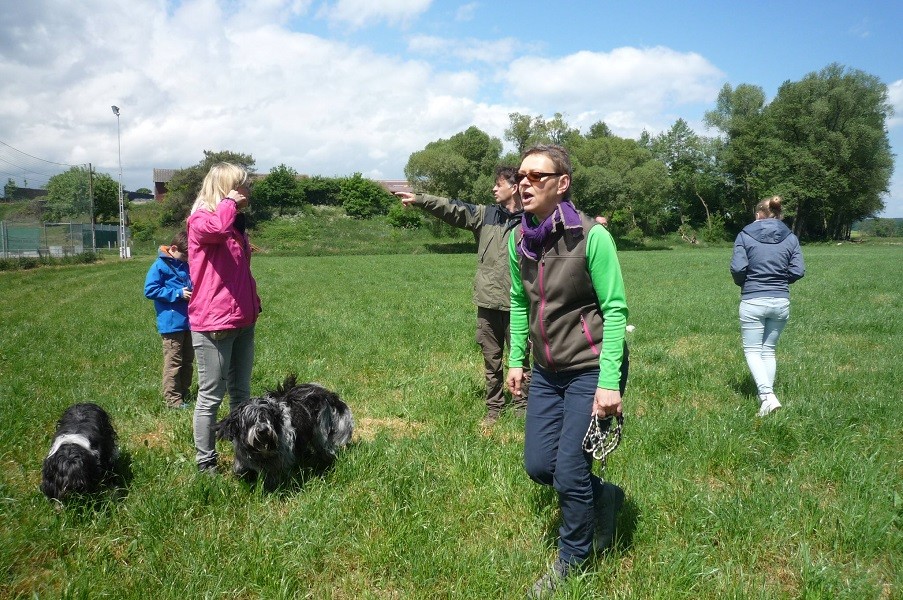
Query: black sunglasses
534	176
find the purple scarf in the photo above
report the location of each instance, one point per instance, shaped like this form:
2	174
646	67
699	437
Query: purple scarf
534	237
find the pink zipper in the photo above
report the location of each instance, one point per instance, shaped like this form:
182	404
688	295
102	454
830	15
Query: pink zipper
542	306
588	337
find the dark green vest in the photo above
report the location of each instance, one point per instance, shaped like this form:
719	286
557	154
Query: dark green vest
565	319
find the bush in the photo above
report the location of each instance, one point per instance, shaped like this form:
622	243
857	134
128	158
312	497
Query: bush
364	198
714	231
404	218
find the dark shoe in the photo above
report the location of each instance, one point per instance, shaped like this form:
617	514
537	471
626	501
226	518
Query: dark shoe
547	584
607	507
207	468
490	419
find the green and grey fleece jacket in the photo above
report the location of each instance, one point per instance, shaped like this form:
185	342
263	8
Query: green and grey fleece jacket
491	225
571	302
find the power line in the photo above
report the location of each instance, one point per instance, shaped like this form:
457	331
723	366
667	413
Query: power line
36	158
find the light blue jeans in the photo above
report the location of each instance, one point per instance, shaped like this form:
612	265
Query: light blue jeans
224	362
761	322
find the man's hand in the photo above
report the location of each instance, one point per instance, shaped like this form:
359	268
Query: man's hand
406	198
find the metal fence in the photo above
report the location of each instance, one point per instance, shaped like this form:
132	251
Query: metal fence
55	239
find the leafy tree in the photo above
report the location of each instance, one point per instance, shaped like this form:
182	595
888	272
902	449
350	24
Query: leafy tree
144	190
278	191
185	184
68	194
618	177
696	182
832	160
557	131
460	167
598	130
521	132
821	143
106	198
364	198
9	190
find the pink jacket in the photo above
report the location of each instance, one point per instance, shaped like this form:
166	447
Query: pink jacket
219	259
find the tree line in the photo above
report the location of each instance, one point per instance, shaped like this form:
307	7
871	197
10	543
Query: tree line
821	143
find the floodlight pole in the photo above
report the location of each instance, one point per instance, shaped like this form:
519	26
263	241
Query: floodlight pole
123	253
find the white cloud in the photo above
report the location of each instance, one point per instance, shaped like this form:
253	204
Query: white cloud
361	13
469	50
211	75
466	12
627	87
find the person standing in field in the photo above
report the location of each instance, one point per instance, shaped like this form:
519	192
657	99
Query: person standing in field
567	296
491	226
767	259
168	284
224	305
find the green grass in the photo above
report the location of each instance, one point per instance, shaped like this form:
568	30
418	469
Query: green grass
721	504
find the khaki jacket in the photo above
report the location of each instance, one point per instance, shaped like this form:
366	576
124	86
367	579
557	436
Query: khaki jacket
491	225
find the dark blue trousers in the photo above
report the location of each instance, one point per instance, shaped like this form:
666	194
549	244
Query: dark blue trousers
559	409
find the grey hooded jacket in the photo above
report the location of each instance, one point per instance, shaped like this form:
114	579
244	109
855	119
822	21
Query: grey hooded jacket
767	259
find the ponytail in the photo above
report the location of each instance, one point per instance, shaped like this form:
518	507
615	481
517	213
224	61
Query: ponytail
770	207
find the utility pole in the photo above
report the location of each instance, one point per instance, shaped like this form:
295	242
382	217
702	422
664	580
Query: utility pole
123	244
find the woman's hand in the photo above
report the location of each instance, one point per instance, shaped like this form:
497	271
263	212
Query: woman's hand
515	380
607	403
241	200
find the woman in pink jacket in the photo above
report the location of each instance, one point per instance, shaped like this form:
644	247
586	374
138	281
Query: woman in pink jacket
224	305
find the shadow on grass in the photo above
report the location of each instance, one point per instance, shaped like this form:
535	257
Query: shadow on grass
546	501
453	248
290	483
745	387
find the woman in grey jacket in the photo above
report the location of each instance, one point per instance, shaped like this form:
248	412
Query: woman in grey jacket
767	259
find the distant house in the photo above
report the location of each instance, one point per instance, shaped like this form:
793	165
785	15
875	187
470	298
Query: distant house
161	178
139	197
396	185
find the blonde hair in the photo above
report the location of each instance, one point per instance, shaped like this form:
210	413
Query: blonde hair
221	179
770	207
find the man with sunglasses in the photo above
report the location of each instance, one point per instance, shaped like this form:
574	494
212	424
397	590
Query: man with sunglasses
491	226
567	296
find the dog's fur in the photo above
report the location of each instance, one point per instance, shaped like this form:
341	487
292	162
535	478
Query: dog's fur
83	453
291	425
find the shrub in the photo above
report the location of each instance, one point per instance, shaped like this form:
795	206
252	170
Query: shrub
404	218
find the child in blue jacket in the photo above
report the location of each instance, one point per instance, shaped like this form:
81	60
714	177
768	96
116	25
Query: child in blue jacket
169	286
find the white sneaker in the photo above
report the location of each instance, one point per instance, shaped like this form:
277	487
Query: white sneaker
769	404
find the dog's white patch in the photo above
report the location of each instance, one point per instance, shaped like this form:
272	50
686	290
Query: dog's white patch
70	438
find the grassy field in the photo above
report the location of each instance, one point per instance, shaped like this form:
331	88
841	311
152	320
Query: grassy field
806	503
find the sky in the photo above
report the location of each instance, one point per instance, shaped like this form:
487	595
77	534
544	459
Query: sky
335	87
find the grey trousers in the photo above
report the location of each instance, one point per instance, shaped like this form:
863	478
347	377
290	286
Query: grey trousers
224	362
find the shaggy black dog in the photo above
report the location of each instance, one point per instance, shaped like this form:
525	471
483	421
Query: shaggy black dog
294	424
83	453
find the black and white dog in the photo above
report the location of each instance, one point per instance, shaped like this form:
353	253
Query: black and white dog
294	424
83	453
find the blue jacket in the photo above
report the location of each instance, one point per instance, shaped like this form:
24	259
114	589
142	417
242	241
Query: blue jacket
163	284
767	259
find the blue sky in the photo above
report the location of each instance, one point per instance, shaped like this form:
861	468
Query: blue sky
342	86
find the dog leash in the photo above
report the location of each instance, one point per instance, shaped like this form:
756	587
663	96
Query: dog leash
600	443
